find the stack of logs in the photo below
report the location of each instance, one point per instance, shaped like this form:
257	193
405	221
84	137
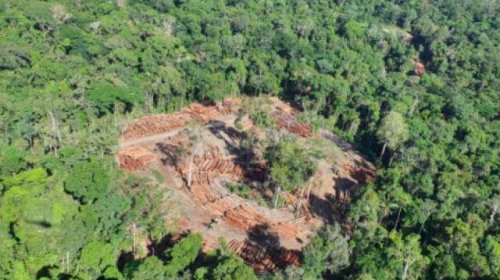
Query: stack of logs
135	158
358	173
289	122
265	258
201	113
245	218
206	167
292	199
152	125
157	124
234	210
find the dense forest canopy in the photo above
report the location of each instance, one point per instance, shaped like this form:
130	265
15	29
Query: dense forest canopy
413	84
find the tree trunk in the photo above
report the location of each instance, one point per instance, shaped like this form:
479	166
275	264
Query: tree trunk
190	168
397	219
390	160
413	106
493	213
55	131
309	191
423	224
406	269
30	141
133	228
383	150
277	195
67	261
299	203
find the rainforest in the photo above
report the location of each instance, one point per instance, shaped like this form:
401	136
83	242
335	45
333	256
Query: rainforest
252	139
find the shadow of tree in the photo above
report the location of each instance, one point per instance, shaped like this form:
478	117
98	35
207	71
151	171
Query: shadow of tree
330	208
123	259
156	248
263	246
218	127
171	152
255	172
262	235
159	247
42	223
344	186
345	147
45	272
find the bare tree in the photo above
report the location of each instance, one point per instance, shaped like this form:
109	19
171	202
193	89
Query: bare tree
194	135
194	151
277	193
54	132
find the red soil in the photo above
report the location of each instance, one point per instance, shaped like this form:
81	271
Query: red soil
419	66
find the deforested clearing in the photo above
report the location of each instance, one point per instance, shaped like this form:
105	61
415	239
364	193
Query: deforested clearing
203	151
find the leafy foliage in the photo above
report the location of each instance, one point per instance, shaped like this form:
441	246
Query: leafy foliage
327	253
290	164
393	130
183	254
88	181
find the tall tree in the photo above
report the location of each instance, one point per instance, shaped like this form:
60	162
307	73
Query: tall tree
393	131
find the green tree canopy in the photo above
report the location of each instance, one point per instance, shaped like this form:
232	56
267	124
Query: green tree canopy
88	181
393	131
290	164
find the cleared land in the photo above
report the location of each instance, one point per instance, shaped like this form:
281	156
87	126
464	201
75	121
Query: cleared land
199	151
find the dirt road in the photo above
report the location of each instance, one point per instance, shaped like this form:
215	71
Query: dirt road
149	139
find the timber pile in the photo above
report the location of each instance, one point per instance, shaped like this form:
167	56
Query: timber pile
135	158
243	218
289	122
261	258
216	212
236	212
289	198
285	230
285	118
358	173
231	208
353	175
201	113
292	199
206	167
152	125
363	174
157	124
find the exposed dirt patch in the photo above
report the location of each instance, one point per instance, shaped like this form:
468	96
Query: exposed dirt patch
199	150
419	66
